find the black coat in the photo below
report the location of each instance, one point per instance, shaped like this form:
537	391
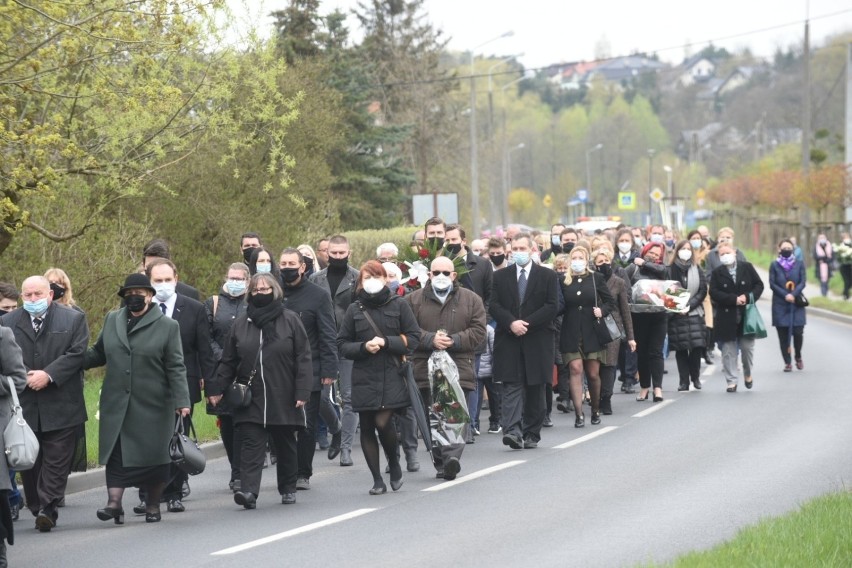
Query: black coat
687	331
727	323
376	382
344	294
59	350
227	310
188	291
195	340
479	278
620	291
578	319
314	307
284	370
539	309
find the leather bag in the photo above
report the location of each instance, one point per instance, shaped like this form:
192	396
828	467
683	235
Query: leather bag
238	393
184	450
606	328
19	441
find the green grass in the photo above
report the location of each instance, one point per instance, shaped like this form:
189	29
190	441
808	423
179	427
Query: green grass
763	259
815	535
205	425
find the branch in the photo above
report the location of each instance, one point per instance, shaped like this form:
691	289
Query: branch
57	238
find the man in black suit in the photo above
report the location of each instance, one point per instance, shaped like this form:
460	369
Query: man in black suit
197	352
53	340
479	272
158	248
524	304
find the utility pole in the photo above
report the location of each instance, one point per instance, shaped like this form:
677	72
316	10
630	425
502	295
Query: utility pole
849	116
806	103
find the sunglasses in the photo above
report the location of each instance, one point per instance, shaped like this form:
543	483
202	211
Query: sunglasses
439	272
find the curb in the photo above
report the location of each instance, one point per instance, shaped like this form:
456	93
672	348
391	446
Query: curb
94	478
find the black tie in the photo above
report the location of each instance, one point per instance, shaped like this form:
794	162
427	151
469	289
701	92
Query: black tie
163	307
522	284
37	324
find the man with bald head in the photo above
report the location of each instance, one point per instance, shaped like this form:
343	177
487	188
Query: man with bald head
451	319
53	340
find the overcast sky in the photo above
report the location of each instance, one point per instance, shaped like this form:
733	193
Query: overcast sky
552	31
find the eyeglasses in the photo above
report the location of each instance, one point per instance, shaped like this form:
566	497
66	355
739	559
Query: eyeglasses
261	290
439	272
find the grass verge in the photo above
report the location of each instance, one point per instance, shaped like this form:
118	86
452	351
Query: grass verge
763	259
815	535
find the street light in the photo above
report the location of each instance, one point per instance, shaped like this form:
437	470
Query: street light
507	182
474	167
595	148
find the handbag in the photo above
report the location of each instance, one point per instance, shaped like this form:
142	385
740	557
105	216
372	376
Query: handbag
606	328
801	301
753	325
19	441
184	451
238	395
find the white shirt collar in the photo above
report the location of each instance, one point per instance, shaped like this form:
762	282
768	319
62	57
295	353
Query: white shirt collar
170	304
525	268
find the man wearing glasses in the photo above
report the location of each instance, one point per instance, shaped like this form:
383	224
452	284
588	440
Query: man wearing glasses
451	318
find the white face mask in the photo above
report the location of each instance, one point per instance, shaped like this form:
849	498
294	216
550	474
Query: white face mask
695	243
441	282
656	238
373	285
684	254
164	291
625	247
578	266
728	259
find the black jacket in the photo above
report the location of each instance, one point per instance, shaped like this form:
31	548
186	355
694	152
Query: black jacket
195	340
727	322
228	309
686	331
345	292
59	350
578	320
314	307
479	278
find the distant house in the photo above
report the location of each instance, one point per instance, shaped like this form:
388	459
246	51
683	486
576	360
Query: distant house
739	77
616	70
696	69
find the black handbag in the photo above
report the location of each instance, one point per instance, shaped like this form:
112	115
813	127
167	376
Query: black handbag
184	451
801	301
238	394
606	328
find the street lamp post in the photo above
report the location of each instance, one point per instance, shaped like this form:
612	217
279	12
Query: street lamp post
595	148
474	166
507	181
650	181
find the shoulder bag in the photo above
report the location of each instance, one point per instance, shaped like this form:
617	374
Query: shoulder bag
184	451
19	441
606	328
753	325
238	394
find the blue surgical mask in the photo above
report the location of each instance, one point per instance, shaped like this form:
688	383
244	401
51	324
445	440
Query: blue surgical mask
695	243
236	287
36	308
164	291
264	268
521	258
578	266
555	240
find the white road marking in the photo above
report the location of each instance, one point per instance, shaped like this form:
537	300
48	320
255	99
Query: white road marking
474	475
653	409
709	370
292	532
586	438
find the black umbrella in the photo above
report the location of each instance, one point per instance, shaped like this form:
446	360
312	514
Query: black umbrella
417	406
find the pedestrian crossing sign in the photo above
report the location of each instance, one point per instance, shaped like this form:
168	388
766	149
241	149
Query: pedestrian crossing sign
627	200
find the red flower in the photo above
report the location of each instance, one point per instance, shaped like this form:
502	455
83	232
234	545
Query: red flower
413	281
455	405
423	253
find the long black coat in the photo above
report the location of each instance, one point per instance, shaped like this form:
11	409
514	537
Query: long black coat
728	322
284	370
59	350
344	294
376	382
539	309
479	278
195	340
687	331
228	308
578	320
313	305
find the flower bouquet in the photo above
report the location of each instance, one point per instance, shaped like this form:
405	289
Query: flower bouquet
843	253
415	260
450	416
659	296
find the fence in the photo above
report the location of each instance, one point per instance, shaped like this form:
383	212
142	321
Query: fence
762	232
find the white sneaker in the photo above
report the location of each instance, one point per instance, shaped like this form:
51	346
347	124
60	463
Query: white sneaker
495	430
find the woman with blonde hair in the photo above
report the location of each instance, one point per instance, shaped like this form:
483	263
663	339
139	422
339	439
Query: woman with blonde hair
61	286
587	298
309	257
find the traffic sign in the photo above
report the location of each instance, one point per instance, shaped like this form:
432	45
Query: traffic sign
582	195
657	195
700	194
627	200
547	201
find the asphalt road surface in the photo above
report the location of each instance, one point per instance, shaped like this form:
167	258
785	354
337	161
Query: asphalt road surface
651	482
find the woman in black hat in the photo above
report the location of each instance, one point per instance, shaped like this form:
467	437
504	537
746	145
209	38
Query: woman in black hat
142	351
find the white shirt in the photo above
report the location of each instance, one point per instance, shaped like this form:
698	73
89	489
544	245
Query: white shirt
170	305
526	271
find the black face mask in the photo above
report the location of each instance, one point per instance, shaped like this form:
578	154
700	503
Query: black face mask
247	254
566	247
435	242
605	269
309	265
454	249
58	291
260	300
289	275
786	253
499	259
135	303
556	249
338	262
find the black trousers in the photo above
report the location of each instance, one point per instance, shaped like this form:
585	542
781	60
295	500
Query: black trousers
495	399
846	274
523	409
231	439
689	364
307	438
607	373
253	453
784	341
650	333
44	484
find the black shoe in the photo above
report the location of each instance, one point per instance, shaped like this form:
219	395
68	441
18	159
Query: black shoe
140	508
548	423
510	440
345	457
439	474
16	511
630	389
397	483
530	444
606	406
452	467
153	517
379	488
288	499
108	513
732	388
697	384
247	500
658	398
185	490
580	421
596	418
683	387
749	384
44	521
175	506
334	447
563	407
708	359
234	485
61	502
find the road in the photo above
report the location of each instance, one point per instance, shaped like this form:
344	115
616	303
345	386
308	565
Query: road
651	482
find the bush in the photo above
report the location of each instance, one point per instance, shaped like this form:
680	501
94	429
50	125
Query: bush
364	243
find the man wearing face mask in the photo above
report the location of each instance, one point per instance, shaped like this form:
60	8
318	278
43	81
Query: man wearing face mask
569	239
435	230
340	281
53	341
555	243
158	248
497	253
197	355
314	307
451	318
248	242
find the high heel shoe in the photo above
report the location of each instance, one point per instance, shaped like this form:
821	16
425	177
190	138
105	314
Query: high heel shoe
379	489
153	516
596	417
658	398
640	398
580	421
116	514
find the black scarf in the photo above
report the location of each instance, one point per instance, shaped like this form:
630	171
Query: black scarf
133	320
265	317
375	300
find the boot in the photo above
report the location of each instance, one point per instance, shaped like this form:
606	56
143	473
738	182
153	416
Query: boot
412	464
606	405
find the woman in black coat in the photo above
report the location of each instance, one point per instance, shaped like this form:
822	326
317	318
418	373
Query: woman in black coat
378	390
687	333
650	327
222	310
269	348
587	298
